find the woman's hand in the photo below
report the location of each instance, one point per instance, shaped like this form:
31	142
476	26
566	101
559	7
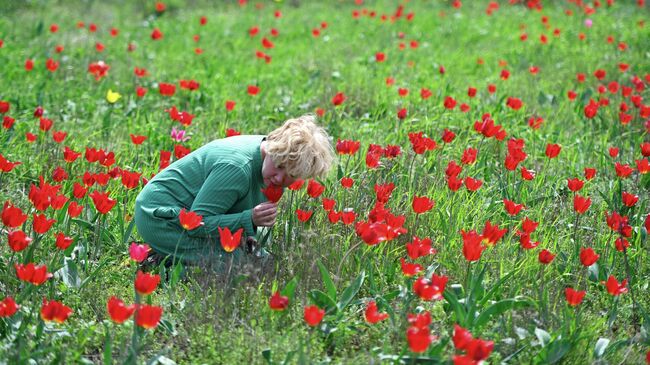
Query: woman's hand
264	214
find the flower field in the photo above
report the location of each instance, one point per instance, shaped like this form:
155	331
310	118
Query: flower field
489	204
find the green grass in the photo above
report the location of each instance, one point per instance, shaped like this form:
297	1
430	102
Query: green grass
204	321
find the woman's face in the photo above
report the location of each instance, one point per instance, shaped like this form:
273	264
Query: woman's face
275	175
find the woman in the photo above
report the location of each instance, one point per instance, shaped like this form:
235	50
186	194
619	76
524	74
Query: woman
222	181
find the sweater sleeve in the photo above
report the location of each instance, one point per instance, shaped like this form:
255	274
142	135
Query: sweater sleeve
224	186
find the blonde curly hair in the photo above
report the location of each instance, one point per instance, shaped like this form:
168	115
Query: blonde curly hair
301	147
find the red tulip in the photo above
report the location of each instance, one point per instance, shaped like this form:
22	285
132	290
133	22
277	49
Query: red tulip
74	209
156	34
574	297
63	242
511	207
514	103
472	245
31	273
546	257
41	224
118	311
575	184
492	234
8	307
449	102
419	338
55	311
338	99
12	216
166	89
137	140
581	204
629	199
430	289
347	147
472	184
614	287
146	283
461	337
6	165
18	240
273	193
422	204
314	189
148	316
410	269
588	256
278	302
229	241
623	170
479	350
303	215
448	136
102	202
313	315
372	314
347	182
190	220
419	248
552	150
231	132
590	173
253	90
296	185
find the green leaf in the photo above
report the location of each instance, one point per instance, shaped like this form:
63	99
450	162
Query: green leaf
94	273
494	290
557	350
601	346
322	300
266	354
70	274
127	234
330	288
108	349
176	275
290	289
352	290
458	308
543	336
501	307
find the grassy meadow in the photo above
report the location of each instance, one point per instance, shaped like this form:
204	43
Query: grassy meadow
490	197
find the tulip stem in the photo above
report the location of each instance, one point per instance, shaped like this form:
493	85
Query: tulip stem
575	235
542	303
348	252
629	281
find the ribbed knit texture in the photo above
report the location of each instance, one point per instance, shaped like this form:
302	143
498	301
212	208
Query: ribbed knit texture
221	181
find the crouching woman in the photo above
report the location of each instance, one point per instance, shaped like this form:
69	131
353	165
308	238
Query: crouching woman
222	181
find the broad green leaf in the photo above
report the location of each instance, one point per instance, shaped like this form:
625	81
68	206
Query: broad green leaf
601	346
266	354
456	306
330	288
556	351
108	348
494	290
127	234
543	336
352	290
94	273
501	307
290	289
70	274
322	300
